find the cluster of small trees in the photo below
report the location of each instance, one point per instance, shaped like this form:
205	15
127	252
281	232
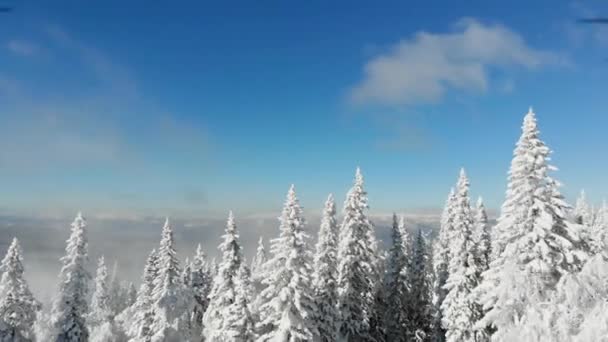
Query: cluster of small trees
536	275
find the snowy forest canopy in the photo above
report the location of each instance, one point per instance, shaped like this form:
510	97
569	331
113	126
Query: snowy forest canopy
538	274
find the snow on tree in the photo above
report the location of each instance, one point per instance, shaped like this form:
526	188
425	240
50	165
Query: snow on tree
101	311
357	262
397	284
117	295
131	294
223	293
326	274
70	306
460	312
533	246
140	316
583	214
200	285
257	270
258	261
378	315
482	236
18	308
441	258
240	323
171	298
287	304
418	304
600	227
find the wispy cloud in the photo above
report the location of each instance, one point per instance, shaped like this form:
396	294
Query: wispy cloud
22	47
47	127
421	69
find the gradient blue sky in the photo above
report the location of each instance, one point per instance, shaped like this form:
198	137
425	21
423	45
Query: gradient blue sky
122	108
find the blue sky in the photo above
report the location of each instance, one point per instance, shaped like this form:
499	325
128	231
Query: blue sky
201	107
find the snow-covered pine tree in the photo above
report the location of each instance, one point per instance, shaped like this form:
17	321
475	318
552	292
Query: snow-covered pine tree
171	298
239	319
460	312
258	261
582	211
70	306
131	294
287	305
357	262
200	284
397	285
326	274
138	323
100	310
441	259
584	216
600	227
533	245
418	305
223	292
378	317
18	308
116	294
482	236
101	318
187	273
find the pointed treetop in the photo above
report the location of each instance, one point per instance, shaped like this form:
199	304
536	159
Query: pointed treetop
291	193
330	199
79	220
463	181
14	243
199	250
358	176
167	221
479	202
529	121
230	224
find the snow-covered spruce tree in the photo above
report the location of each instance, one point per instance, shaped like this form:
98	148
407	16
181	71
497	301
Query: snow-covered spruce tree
482	236
582	211
397	285
584	216
101	318
460	312
18	308
357	261
240	323
131	294
258	272
101	311
223	292
200	284
441	258
418	302
172	301
70	306
140	316
326	274
532	244
378	317
116	294
600	227
287	305
258	261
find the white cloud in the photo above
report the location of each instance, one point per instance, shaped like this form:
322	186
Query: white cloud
422	68
22	47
